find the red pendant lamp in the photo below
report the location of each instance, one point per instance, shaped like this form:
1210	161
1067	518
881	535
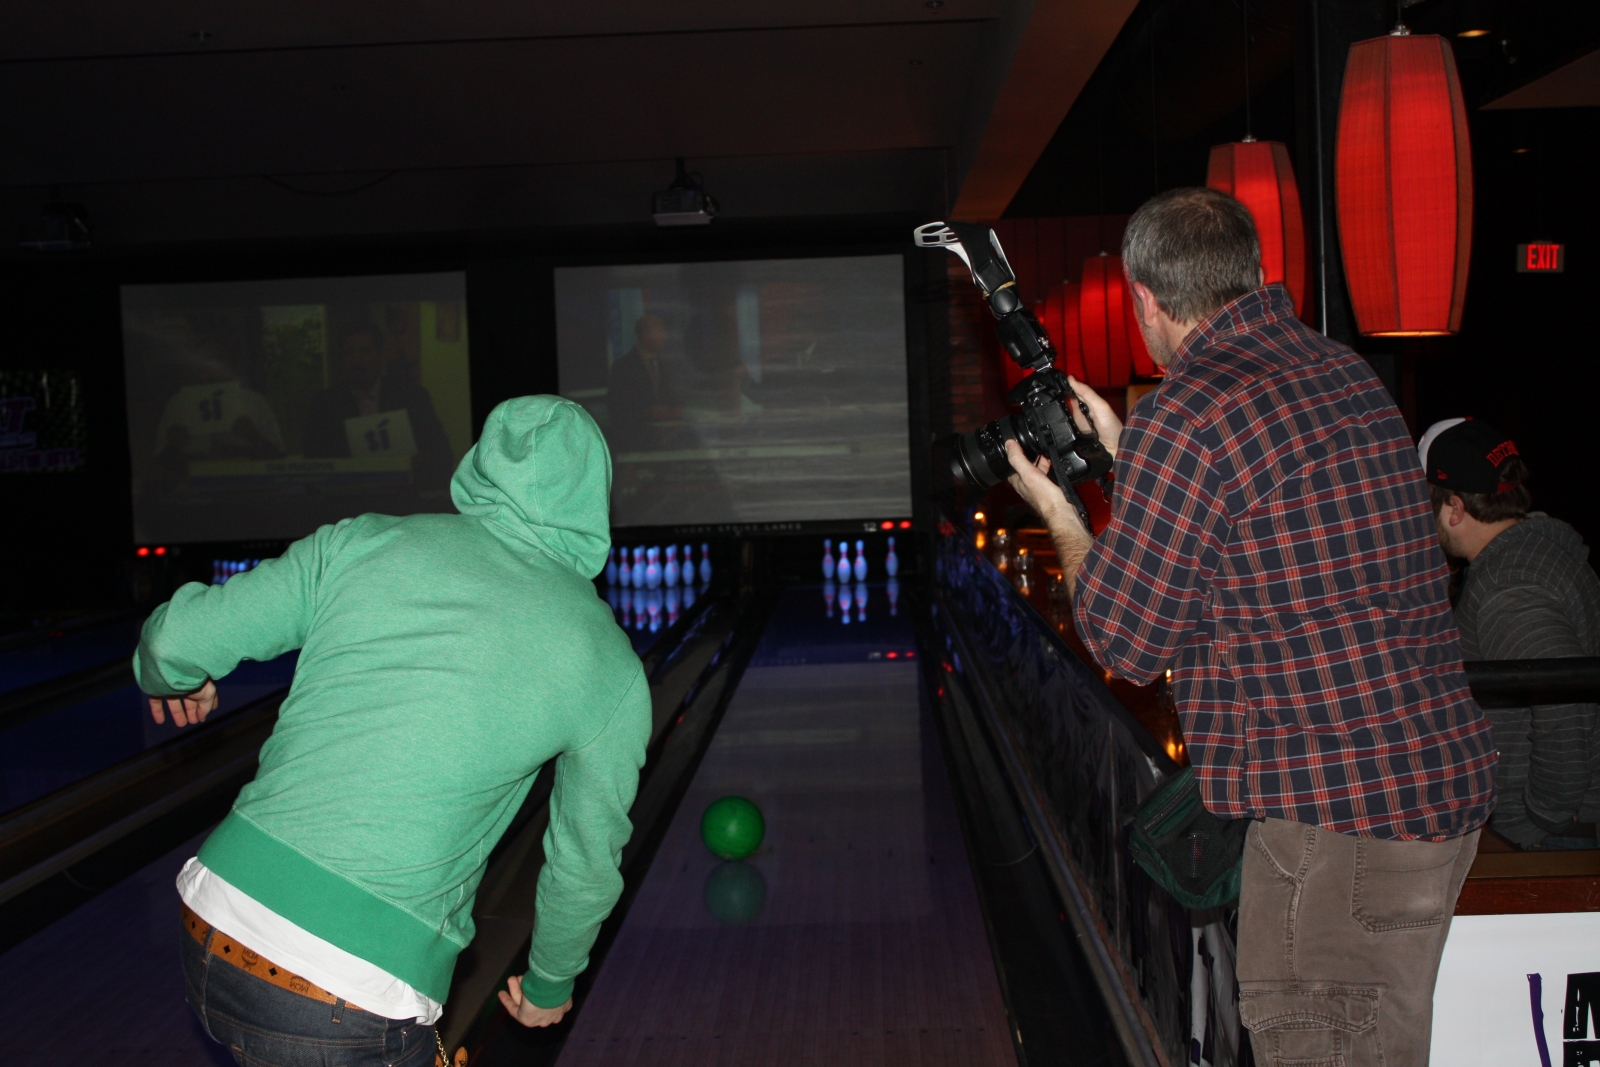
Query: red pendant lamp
1071	359
1062	315
1059	315
1404	173
1103	317
1258	175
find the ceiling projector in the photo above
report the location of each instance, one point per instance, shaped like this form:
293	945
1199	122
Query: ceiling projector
685	202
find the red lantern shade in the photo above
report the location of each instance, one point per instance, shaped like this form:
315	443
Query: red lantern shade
1258	175
1103	308
1404	172
1072	331
1058	313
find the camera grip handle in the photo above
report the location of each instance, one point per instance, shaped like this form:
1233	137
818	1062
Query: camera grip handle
1070	491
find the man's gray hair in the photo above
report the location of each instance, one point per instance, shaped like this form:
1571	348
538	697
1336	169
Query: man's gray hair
1194	249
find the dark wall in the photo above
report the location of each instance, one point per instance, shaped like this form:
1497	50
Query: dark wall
1526	356
65	536
68	539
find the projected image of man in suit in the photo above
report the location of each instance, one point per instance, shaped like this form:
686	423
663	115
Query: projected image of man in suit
640	393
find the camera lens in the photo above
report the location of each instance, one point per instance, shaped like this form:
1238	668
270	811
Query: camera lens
979	457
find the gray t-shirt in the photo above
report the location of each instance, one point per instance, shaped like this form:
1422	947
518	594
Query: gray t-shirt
1532	594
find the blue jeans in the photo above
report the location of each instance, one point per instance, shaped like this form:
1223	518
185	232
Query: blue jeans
265	1026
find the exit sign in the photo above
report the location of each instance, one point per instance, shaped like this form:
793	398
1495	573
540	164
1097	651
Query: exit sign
1541	257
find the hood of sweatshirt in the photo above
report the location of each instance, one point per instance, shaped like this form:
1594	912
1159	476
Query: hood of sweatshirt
541	473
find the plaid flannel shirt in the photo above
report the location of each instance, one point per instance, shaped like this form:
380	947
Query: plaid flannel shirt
1271	543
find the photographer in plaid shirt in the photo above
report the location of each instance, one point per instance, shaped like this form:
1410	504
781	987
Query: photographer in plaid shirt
1271	543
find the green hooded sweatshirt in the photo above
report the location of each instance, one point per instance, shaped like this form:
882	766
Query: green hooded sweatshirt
443	660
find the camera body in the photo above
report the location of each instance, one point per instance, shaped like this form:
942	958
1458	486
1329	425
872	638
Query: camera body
1044	426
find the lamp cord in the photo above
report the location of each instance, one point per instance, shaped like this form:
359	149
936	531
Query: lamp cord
1100	160
1322	195
1249	126
1155	139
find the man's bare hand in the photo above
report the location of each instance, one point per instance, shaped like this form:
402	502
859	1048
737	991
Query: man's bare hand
188	710
1106	423
1039	491
526	1011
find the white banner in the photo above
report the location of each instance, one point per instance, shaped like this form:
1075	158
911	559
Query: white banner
1519	991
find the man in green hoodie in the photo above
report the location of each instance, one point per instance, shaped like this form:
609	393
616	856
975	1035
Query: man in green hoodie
443	660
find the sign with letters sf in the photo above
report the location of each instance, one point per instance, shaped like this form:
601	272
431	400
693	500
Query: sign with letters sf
388	433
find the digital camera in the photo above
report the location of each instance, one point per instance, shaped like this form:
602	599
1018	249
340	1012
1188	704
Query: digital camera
1044	426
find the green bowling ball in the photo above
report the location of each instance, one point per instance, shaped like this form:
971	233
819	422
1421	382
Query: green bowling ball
732	828
735	892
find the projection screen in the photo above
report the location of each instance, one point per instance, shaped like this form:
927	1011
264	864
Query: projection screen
261	410
746	392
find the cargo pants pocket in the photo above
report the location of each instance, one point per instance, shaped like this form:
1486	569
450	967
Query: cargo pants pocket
1315	1026
1403	885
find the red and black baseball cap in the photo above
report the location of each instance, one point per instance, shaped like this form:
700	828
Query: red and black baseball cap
1465	455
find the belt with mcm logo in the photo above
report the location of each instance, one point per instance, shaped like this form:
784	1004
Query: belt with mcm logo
227	949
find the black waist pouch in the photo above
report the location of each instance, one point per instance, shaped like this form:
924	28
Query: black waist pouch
1191	853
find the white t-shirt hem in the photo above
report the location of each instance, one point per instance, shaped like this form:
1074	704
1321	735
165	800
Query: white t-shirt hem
263	930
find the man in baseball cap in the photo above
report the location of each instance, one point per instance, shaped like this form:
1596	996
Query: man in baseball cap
1529	593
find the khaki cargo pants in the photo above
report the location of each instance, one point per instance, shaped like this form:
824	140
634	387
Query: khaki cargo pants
1339	944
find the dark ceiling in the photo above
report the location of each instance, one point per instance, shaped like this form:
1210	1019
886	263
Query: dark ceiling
191	119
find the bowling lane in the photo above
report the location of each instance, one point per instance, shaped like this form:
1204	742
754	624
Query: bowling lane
51	657
44	754
103	985
854	933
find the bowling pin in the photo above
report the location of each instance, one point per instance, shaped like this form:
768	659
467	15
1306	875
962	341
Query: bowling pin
827	558
891	562
638	566
844	603
686	565
861	561
705	562
652	567
894	595
669	573
611	566
861	603
829	591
